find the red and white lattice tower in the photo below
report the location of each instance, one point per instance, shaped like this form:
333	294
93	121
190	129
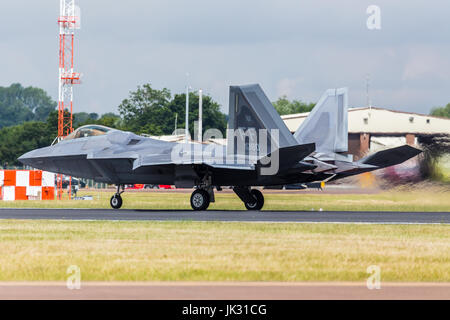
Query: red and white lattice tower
69	21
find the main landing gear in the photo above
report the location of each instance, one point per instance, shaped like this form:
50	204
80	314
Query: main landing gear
253	199
202	198
116	200
258	204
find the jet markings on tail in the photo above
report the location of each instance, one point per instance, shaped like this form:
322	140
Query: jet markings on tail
327	125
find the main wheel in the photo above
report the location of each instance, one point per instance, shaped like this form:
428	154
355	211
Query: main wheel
258	204
200	200
116	201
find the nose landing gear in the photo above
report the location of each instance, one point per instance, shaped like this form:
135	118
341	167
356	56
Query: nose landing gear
200	200
203	196
116	200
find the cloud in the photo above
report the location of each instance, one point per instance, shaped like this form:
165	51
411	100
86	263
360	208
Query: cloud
287	87
427	62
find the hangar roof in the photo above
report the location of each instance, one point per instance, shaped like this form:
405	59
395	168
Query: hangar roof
383	121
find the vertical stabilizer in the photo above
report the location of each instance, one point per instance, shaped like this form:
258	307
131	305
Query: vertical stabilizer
327	125
251	110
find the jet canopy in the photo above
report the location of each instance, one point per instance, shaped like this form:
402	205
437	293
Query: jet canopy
88	131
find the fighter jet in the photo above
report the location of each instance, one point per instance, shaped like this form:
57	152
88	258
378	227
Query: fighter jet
260	152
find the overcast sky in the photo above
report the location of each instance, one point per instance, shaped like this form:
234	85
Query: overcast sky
291	47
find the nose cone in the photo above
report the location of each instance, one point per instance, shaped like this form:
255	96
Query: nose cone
35	158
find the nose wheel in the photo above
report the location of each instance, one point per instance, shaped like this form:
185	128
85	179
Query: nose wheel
200	200
116	200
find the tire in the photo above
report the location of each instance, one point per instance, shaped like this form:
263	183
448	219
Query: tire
200	200
116	202
259	204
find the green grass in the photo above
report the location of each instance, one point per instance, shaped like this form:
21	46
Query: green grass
426	201
444	166
191	251
446	175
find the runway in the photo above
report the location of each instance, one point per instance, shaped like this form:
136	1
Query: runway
224	291
229	216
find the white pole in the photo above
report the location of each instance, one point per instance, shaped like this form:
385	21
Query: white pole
200	116
187	114
176	123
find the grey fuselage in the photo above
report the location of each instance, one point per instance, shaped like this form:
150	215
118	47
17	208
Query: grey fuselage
125	158
316	153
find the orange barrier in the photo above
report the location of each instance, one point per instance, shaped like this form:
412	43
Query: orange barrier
27	185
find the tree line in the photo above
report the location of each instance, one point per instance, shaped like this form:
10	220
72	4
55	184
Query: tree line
443	112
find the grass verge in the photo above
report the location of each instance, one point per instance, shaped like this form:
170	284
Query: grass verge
190	251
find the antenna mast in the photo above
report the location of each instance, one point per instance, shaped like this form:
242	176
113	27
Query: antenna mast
369	101
69	21
200	116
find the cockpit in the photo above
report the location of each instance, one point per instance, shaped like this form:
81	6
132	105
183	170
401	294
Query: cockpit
88	131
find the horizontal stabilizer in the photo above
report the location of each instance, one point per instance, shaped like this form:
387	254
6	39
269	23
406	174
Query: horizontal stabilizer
391	157
290	156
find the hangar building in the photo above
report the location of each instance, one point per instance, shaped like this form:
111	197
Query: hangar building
373	129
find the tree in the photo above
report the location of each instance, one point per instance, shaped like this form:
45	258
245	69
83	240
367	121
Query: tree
110	120
82	118
146	111
20	139
94	116
23	138
19	105
441	111
52	123
285	107
153	112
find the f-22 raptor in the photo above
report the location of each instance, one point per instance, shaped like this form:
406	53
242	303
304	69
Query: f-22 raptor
260	152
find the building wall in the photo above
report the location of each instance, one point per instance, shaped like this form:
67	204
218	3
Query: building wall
411	139
382	121
359	144
354	144
375	129
386	121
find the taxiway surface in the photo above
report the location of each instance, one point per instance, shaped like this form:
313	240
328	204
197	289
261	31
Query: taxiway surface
229	216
